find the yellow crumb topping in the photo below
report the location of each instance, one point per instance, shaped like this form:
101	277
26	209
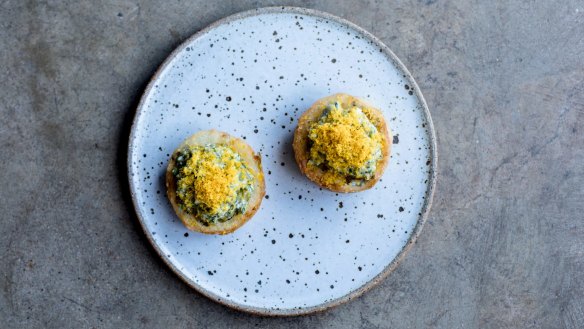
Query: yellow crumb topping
346	142
211	179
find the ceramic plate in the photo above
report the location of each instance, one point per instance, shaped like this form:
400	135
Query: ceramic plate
252	75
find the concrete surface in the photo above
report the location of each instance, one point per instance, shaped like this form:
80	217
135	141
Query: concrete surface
504	243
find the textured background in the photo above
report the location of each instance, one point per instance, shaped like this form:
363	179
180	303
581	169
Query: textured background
504	243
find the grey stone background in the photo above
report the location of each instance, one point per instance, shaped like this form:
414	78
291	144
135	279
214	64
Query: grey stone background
504	243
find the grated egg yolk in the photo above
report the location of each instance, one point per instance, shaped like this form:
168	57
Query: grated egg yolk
346	142
211	179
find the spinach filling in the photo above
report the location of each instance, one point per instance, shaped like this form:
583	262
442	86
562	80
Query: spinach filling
198	168
345	143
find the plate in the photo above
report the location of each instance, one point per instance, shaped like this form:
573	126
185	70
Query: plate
252	75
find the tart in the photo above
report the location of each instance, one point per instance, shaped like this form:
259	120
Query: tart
214	182
342	143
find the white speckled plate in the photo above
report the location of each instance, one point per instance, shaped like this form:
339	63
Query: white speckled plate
252	75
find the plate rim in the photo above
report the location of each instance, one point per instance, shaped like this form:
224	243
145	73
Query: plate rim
427	200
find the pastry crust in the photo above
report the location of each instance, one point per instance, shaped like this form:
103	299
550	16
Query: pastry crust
251	159
301	142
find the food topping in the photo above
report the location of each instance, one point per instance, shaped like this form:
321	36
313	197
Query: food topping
345	144
212	182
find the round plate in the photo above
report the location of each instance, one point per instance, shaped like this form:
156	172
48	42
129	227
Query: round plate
252	75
